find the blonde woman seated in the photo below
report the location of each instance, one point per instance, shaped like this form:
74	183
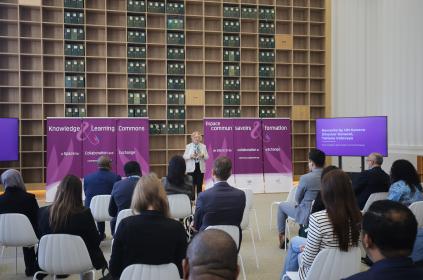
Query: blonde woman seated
336	227
150	237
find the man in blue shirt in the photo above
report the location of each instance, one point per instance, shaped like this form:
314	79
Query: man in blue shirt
389	231
98	183
122	191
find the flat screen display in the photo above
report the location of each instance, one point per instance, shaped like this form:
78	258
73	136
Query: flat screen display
9	139
358	136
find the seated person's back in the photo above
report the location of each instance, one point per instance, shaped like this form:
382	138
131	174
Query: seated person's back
406	187
122	191
67	215
225	202
212	254
389	231
149	237
176	181
16	200
101	181
373	180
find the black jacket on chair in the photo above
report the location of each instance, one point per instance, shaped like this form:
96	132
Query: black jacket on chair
147	238
16	200
81	224
371	181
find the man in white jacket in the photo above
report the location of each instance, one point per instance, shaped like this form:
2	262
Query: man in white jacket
195	156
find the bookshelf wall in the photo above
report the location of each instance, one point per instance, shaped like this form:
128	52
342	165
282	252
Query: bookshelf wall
174	61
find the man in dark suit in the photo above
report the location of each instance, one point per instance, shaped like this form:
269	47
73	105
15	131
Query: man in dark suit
389	231
372	180
100	182
122	191
221	204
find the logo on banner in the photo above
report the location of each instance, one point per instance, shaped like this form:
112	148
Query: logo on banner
256	132
84	134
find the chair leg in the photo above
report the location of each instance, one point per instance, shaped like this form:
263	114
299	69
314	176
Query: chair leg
287	232
254	246
271	217
16	260
258	228
2	251
242	267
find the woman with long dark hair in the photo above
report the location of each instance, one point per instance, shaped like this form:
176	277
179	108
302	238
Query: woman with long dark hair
176	181
150	236
405	183
68	215
338	226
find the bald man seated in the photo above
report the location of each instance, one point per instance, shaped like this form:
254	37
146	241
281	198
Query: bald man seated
211	255
372	180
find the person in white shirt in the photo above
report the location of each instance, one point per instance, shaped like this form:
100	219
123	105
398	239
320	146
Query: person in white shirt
195	156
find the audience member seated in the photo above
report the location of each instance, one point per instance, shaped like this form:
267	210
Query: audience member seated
100	182
389	230
176	181
225	202
417	254
405	187
150	237
372	180
318	204
123	190
212	254
16	200
68	215
307	190
336	227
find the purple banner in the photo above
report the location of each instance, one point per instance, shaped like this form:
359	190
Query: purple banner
248	146
99	139
132	143
64	150
218	138
277	146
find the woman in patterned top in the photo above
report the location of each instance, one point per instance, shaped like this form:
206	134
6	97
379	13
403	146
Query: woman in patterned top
336	227
405	187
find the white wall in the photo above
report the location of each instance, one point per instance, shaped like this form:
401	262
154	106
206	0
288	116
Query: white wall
377	69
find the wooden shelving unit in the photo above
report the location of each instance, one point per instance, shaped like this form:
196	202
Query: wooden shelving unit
176	62
420	167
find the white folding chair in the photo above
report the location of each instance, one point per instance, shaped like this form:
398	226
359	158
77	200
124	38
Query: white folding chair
245	223
234	232
100	208
372	198
249	192
179	206
16	231
417	209
60	254
167	271
290	198
122	215
331	264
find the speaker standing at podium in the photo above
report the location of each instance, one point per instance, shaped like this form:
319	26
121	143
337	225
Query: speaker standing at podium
195	156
